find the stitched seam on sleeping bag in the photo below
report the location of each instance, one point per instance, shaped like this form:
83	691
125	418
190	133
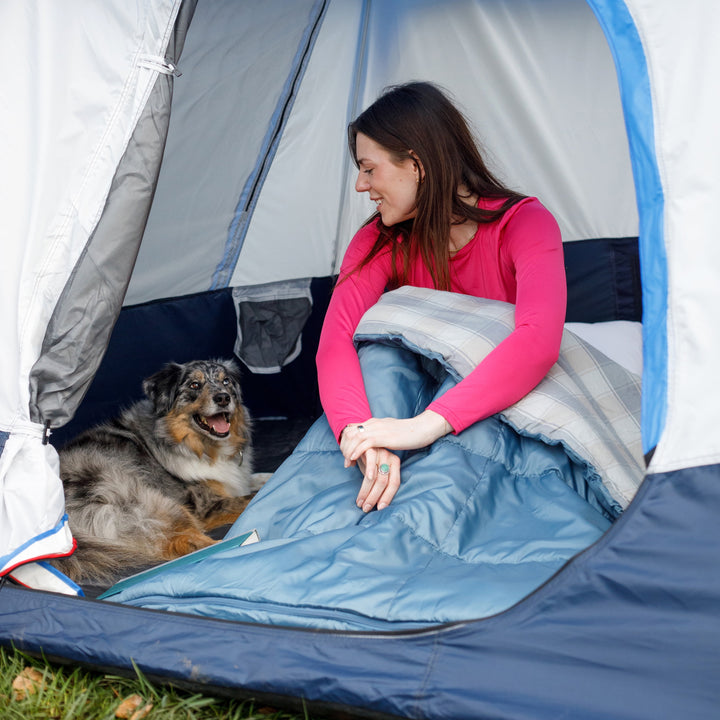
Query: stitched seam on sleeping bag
492	456
500	459
445	553
493	453
459	514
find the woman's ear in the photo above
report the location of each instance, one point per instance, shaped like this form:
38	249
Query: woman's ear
418	166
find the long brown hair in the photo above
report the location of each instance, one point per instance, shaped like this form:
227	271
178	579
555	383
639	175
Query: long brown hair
418	121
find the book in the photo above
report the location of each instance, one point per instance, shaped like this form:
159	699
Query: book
247	538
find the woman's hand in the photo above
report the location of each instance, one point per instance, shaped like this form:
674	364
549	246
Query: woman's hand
393	434
369	444
381	479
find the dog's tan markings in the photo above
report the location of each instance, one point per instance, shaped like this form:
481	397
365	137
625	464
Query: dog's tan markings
238	433
201	446
185	535
182	430
178	425
229	515
218	488
179	545
214	506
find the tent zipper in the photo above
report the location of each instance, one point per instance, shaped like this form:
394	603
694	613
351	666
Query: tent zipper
159	64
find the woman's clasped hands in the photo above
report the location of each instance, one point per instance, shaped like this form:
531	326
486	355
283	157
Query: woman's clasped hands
369	444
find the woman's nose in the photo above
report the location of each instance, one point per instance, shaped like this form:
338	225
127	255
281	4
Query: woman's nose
361	184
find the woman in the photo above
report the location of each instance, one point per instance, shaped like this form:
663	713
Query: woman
443	221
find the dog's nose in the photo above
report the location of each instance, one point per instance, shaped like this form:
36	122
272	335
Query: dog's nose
222	399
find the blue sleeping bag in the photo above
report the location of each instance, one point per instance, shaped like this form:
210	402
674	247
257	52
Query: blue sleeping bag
481	519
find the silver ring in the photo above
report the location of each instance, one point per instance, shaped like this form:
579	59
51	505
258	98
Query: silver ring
384	468
361	428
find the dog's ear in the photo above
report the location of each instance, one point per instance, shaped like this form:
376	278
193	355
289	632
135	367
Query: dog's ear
161	388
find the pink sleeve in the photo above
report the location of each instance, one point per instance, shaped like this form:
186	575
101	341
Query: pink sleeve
531	248
342	391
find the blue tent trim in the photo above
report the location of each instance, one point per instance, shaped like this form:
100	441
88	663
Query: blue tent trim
59	527
248	198
636	95
628	629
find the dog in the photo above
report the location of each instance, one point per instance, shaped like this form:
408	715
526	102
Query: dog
150	485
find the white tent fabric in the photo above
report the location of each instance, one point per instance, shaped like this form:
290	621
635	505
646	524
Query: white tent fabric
676	48
510	73
540	76
68	111
235	65
302	198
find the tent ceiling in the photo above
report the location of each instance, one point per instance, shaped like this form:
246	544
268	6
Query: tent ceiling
538	83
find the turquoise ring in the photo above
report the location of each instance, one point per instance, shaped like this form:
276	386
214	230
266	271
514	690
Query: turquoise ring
384	468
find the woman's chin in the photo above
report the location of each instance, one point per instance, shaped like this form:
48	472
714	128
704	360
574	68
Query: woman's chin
390	218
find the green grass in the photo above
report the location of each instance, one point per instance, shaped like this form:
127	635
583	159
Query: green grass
71	693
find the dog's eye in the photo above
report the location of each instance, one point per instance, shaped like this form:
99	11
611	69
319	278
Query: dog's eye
226	381
194	385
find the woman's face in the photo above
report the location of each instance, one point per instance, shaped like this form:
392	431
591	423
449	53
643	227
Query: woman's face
392	186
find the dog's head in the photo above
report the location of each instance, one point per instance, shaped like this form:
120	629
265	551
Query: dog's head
201	405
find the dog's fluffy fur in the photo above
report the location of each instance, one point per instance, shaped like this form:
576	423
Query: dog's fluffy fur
150	485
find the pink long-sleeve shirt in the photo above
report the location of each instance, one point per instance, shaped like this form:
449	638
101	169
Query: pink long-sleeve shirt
517	259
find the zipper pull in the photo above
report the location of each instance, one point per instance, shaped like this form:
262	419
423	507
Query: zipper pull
160	64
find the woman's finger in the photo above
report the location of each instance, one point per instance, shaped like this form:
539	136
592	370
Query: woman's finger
352	436
362	441
369	461
380	486
393	484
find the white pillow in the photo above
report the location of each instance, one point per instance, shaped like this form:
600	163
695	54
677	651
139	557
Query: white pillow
620	340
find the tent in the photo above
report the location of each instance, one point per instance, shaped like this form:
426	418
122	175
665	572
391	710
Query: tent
171	170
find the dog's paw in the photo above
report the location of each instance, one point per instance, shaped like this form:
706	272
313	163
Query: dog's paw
185	543
257	480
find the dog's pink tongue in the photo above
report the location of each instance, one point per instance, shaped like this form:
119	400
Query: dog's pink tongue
218	423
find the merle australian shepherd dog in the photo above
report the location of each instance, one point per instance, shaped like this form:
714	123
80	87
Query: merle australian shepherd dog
150	485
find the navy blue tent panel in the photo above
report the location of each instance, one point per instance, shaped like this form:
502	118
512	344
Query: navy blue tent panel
628	630
603	279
